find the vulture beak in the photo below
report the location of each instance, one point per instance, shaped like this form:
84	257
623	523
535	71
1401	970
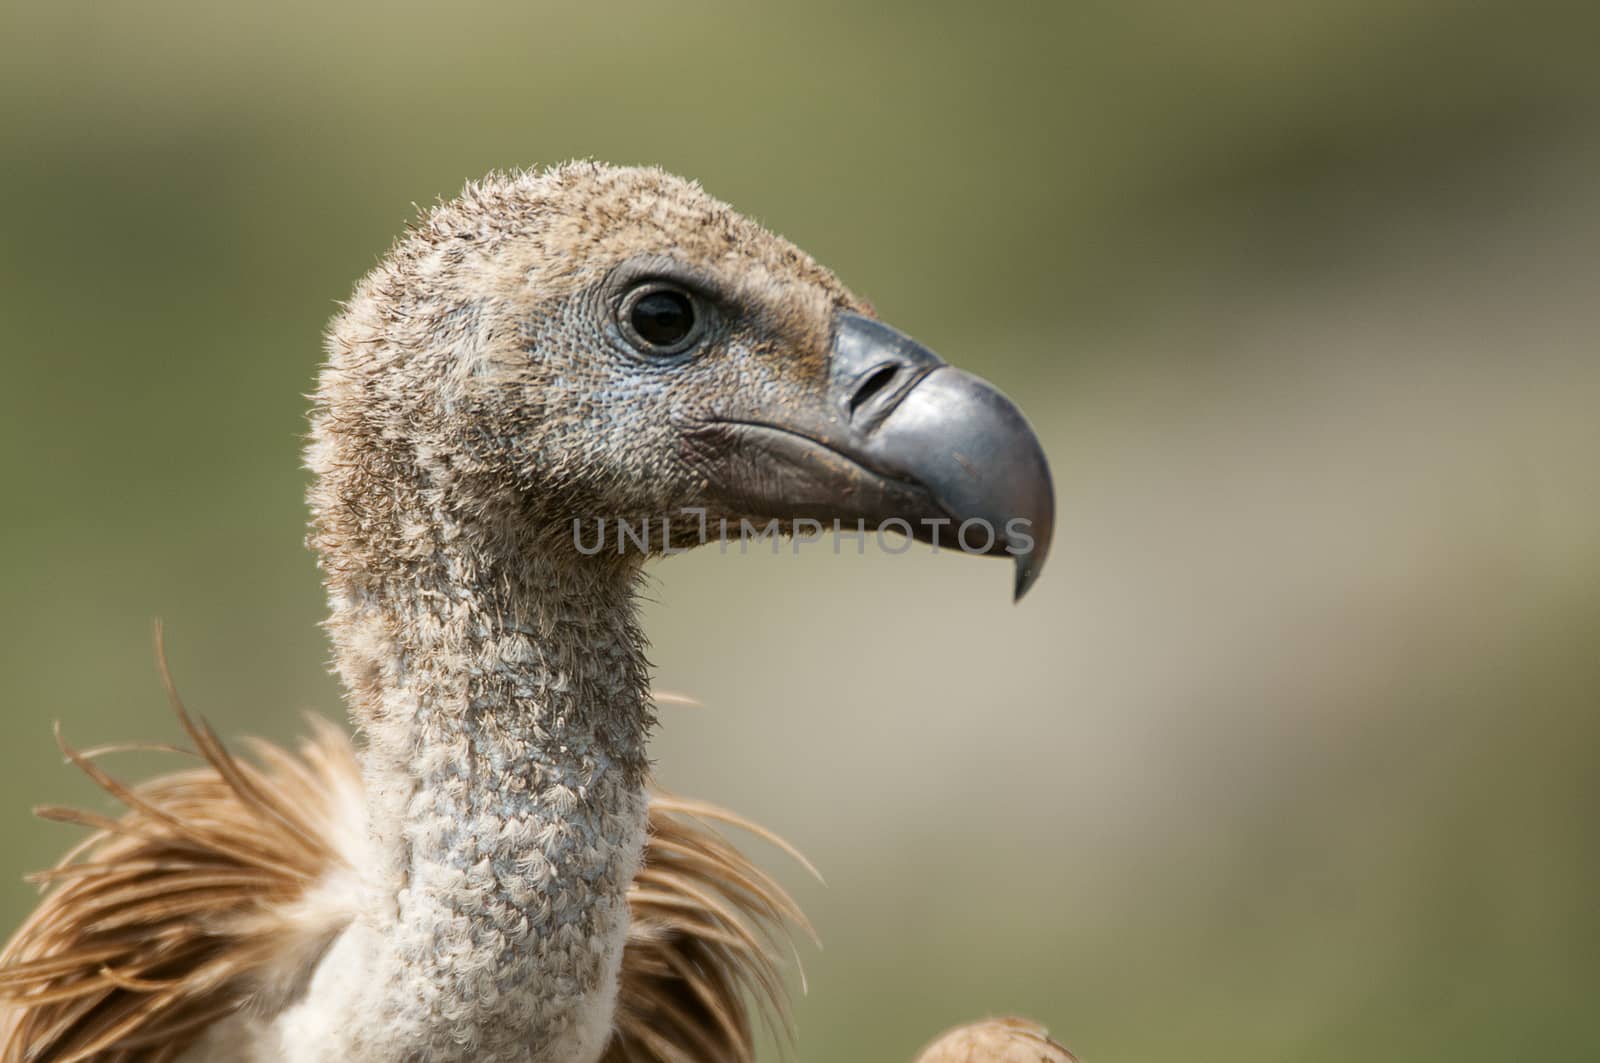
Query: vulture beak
900	441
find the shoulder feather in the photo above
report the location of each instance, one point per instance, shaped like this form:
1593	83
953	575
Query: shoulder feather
206	894
708	934
220	887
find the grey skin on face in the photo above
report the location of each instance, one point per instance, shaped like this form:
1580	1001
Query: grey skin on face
901	440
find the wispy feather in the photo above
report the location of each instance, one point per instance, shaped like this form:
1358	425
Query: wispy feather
219	888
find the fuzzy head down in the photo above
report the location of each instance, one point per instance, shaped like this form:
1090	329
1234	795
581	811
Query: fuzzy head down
489	367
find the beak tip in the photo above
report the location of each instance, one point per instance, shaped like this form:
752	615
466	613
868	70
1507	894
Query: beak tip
1027	571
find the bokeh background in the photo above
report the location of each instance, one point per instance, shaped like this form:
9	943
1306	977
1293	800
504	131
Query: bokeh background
1290	755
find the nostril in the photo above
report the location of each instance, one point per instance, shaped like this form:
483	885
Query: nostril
876	381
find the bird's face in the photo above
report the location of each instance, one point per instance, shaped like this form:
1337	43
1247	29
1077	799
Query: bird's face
616	346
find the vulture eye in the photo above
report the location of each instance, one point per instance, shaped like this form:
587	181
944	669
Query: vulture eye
659	319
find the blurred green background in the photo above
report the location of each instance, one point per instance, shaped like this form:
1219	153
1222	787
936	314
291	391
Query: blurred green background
1290	755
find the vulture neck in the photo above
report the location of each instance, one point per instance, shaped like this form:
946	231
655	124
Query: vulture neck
503	689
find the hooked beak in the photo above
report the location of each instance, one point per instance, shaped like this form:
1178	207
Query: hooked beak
902	441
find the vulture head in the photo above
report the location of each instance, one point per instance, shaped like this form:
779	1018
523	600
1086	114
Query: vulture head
561	351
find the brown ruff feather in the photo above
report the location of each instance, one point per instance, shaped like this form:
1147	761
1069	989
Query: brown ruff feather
191	907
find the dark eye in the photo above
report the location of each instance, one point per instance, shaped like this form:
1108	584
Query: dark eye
661	320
